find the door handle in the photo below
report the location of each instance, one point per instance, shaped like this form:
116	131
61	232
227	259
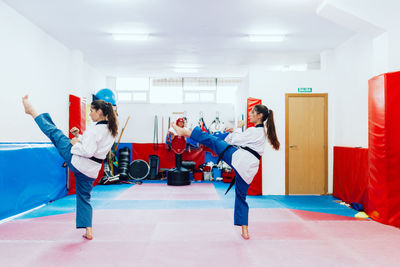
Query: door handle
292	146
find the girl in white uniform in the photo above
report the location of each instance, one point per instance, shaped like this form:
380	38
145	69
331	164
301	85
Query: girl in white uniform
242	151
83	154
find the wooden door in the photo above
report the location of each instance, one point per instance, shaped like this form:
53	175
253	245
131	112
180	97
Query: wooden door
306	143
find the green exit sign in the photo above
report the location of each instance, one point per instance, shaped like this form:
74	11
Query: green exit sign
304	90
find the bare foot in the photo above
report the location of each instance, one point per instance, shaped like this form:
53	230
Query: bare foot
28	107
181	131
88	235
245	232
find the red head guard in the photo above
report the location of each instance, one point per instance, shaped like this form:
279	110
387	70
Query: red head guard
180	120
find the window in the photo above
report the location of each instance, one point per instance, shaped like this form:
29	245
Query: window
207	97
191	97
226	94
166	95
132	84
132	89
199	84
199	90
166	90
226	89
139	96
177	90
124	96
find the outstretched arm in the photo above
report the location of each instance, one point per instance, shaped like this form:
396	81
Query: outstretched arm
238	137
181	131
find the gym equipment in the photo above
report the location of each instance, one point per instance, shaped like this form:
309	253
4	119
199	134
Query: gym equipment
106	95
383	182
124	156
198	176
216	125
77	118
153	163
138	169
255	187
190	165
108	178
202	124
227	175
178	175
111	158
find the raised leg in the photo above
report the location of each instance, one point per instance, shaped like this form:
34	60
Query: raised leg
216	144
28	107
56	136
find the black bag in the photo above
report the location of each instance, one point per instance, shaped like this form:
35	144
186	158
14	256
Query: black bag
153	163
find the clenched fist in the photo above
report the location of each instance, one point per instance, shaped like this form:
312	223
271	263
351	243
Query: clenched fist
75	131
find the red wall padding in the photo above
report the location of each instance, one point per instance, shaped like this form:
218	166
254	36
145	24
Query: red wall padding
384	148
77	118
251	102
350	174
255	188
256	185
166	157
77	114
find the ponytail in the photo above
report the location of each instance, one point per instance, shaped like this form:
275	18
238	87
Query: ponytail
112	120
271	133
108	111
268	116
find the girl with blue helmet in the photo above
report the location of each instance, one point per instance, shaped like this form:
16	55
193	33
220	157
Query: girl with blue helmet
83	154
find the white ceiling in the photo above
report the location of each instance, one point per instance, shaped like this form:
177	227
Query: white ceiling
209	34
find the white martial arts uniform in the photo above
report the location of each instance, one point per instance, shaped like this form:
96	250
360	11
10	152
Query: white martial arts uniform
96	141
242	160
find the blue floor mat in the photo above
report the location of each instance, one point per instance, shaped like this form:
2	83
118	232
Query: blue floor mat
104	197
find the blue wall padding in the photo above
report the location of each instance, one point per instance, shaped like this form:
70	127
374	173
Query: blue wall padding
209	157
30	175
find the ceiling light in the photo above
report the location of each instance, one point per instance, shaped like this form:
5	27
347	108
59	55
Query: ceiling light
186	70
266	38
130	37
294	67
186	66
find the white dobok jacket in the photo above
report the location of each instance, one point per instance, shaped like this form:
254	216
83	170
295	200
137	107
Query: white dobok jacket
243	161
96	141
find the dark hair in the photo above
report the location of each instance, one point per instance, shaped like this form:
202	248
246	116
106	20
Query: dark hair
109	112
268	115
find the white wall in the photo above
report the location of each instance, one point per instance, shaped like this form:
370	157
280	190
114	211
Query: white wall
344	75
353	68
34	63
242	93
140	128
373	50
271	88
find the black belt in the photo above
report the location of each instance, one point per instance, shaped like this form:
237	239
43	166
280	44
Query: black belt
243	147
97	160
222	153
252	152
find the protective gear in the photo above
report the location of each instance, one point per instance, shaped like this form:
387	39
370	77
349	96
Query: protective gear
106	95
180	120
